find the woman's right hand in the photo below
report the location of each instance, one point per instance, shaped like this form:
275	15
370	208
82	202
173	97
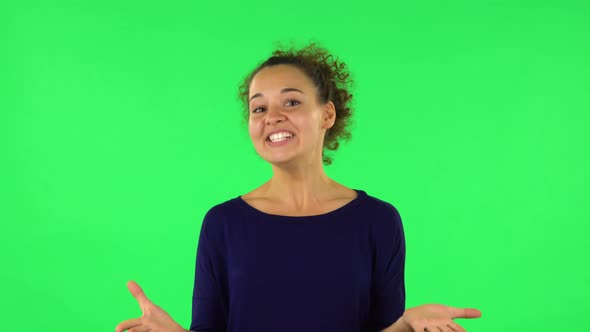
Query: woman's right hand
153	319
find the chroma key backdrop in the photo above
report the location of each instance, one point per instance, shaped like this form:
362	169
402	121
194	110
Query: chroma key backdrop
120	127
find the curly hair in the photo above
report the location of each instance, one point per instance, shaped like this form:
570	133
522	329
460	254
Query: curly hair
329	77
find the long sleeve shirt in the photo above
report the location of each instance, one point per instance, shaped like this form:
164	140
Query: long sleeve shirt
341	271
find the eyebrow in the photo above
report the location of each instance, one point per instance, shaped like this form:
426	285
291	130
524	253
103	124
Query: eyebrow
282	91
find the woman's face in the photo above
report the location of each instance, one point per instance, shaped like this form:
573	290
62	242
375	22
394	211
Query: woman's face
283	99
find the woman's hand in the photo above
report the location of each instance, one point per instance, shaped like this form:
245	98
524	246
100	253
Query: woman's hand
154	319
437	317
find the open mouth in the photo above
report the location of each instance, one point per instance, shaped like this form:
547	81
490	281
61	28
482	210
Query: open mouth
280	140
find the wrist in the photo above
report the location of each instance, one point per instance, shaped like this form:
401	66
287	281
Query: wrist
400	325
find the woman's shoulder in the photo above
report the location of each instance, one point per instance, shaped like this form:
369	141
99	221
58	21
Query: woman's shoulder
377	205
223	209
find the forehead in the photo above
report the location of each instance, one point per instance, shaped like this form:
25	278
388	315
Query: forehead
277	77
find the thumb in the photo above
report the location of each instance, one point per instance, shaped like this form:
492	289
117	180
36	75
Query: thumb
465	312
138	294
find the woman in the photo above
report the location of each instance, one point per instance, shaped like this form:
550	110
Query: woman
301	252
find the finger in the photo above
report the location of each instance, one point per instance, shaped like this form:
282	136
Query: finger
128	324
142	328
432	328
138	294
464	312
456	327
445	328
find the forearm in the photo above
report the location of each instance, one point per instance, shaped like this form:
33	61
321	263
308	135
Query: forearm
399	326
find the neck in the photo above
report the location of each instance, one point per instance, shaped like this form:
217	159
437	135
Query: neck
301	186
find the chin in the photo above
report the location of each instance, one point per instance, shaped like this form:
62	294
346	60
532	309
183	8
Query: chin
279	160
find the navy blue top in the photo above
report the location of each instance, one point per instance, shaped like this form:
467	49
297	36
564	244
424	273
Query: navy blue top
339	271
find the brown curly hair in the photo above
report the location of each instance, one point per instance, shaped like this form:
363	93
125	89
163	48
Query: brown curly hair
329	77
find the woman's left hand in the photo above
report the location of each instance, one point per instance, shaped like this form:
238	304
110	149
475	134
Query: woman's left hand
437	318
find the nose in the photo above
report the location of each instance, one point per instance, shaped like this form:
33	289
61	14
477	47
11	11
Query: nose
273	116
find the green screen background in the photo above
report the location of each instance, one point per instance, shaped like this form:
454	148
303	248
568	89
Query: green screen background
120	128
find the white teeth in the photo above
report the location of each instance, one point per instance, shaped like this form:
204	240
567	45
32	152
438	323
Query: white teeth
279	136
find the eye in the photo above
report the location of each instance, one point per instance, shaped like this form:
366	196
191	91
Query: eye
288	101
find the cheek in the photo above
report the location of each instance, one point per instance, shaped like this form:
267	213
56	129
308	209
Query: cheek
254	129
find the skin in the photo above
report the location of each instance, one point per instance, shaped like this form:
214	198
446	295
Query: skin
153	318
299	186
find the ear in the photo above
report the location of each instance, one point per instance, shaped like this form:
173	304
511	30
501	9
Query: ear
329	116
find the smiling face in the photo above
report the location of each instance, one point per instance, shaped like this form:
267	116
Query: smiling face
283	99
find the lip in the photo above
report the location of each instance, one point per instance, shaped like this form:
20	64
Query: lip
278	131
279	143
